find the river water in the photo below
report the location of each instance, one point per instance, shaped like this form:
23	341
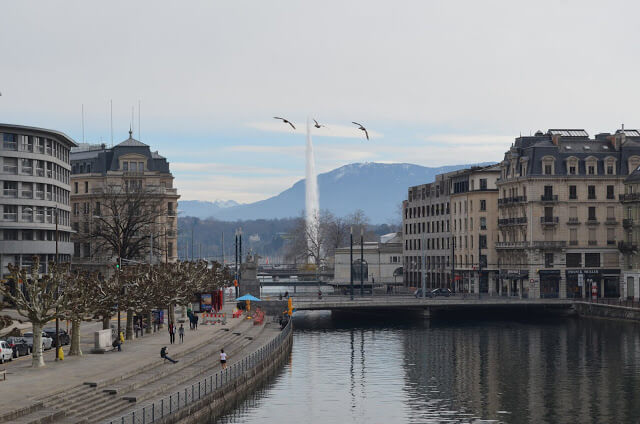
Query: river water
551	370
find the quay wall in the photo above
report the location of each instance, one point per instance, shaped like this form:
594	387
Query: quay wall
599	310
223	400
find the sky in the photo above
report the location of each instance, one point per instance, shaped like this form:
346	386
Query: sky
435	82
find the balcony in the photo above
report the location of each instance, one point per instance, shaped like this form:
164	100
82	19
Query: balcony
629	197
549	198
611	221
627	223
592	220
593	242
512	200
10	192
512	221
573	221
627	246
512	245
549	220
549	244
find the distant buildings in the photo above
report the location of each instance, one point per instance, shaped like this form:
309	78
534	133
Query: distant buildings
545	222
102	179
35	195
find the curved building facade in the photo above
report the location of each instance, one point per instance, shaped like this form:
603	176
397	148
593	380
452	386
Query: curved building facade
35	177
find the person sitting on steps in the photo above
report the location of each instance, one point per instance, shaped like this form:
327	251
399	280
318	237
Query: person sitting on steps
163	355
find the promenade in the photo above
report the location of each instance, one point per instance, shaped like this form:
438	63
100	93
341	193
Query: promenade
94	387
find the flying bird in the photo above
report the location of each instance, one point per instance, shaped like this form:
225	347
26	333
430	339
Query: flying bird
285	121
317	125
363	129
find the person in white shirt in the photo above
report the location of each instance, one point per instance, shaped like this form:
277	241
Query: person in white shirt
223	359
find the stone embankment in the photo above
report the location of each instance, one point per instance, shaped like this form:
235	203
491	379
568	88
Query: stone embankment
603	310
110	396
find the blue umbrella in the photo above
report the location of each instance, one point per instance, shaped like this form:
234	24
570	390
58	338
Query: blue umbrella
249	297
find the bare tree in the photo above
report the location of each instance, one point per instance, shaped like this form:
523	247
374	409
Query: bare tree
82	301
125	224
39	298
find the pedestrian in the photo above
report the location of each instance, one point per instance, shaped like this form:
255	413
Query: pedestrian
172	333
137	328
181	333
195	322
163	355
223	359
116	344
286	294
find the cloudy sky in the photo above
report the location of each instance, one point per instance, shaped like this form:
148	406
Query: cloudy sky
436	82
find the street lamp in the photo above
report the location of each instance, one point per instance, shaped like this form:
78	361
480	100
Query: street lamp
351	259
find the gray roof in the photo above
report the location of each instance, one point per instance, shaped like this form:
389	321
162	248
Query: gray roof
131	142
633	177
27	129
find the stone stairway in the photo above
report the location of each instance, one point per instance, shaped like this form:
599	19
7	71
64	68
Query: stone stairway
93	401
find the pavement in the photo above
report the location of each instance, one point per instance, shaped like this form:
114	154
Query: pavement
27	385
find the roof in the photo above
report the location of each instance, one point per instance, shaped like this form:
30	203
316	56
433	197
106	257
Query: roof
633	177
569	132
60	134
132	142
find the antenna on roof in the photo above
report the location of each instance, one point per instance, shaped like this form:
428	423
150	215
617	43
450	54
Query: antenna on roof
83	122
131	126
139	138
623	127
111	103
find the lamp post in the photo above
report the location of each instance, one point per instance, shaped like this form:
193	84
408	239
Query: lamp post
351	259
424	268
361	262
57	317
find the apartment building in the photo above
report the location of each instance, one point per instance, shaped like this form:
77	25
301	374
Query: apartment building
100	173
559	215
35	196
630	282
474	208
427	234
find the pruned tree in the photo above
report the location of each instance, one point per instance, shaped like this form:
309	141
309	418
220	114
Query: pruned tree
39	298
125	224
81	302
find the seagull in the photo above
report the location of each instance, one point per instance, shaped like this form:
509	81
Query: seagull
317	125
363	129
285	121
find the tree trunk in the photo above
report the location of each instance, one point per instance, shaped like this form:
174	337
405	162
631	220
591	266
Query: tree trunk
106	323
75	338
149	318
129	332
172	314
37	360
184	312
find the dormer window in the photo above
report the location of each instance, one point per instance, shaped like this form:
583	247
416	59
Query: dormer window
572	170
547	165
591	165
591	169
547	169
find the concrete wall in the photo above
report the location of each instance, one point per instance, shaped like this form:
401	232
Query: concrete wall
586	309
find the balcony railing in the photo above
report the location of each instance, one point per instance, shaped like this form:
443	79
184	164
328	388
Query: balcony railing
10	192
10	169
548	244
549	220
592	220
573	221
40	195
512	244
593	242
627	246
512	200
549	198
26	170
27	194
611	221
512	221
627	223
39	172
10	145
629	197
573	242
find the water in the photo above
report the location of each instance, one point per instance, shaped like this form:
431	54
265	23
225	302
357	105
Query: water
559	370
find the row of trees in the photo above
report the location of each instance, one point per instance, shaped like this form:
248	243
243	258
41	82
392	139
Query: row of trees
80	296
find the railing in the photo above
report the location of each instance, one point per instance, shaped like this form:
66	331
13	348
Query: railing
512	200
10	145
512	244
26	194
10	192
627	246
611	221
176	401
512	221
548	244
10	169
627	303
626	223
592	221
549	198
630	197
573	221
549	220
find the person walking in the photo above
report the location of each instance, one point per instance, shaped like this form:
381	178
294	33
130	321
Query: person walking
223	359
163	355
195	322
172	333
181	333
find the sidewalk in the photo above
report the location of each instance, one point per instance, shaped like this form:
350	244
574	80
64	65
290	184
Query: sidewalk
25	385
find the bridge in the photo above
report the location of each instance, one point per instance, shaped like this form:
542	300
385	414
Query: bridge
426	307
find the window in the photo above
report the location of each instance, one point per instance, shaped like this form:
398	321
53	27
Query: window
591	260
483	241
609	169
548	260
592	213
483	205
10	189
592	237
10	213
483	223
573	192
573	213
572	170
483	261
547	169
591	190
573	237
483	183
125	166
10	234
610	194
611	213
611	236
574	260
591	170
86	186
75	187
10	166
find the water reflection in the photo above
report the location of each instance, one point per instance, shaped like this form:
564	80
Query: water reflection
368	371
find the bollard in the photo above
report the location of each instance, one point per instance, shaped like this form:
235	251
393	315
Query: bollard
162	408
153	412
170	403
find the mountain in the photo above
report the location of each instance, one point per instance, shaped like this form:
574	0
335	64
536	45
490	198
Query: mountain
376	188
203	210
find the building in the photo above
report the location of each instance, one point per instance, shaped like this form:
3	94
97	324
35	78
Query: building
559	214
35	195
382	261
474	208
427	233
100	175
630	284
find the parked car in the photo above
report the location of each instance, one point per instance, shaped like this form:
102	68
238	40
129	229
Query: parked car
434	293
64	336
47	341
6	353
19	346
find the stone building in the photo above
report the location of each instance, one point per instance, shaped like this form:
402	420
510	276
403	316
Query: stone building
427	233
35	195
628	245
382	261
97	173
559	214
474	208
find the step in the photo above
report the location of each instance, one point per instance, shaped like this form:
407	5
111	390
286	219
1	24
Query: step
43	416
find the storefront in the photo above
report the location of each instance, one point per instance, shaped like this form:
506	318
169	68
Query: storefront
512	282
549	283
581	283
